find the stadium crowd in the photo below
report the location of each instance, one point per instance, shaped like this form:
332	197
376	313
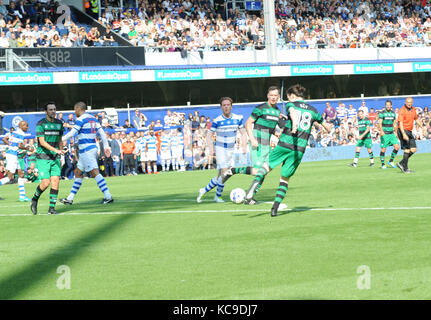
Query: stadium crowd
176	25
189	143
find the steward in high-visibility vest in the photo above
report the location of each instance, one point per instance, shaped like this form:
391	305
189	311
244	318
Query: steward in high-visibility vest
95	8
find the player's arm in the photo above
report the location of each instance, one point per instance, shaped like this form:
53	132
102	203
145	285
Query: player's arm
6	140
365	133
294	116
380	127
70	134
401	119
396	129
47	146
249	129
105	142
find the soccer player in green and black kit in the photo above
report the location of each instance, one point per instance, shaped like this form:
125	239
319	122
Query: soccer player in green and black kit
260	126
388	137
49	131
291	145
364	139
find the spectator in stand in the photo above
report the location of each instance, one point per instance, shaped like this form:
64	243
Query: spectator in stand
168	118
351	112
158	125
364	108
372	116
128	156
329	114
115	144
341	111
107	162
127	124
136	119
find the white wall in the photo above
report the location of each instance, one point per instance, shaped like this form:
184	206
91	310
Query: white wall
311	55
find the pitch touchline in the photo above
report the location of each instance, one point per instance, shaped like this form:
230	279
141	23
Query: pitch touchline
218	211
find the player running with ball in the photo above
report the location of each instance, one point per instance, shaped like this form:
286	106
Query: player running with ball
292	144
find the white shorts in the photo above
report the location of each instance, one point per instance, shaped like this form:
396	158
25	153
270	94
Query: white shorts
144	157
152	155
88	161
177	153
12	163
165	155
224	157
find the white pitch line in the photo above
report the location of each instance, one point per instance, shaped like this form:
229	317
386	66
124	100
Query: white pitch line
218	211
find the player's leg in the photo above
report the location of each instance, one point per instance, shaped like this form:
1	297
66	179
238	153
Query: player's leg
11	167
290	164
220	187
382	158
279	195
257	182
53	194
214	182
412	152
21	181
370	152
394	152
45	176
101	183
81	167
154	163
357	153
224	161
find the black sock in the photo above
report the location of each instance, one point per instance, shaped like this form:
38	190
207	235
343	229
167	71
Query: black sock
37	193
405	161
53	198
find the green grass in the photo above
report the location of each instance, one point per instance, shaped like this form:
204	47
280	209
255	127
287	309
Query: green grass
153	247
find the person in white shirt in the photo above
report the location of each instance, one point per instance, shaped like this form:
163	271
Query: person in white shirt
4	41
364	108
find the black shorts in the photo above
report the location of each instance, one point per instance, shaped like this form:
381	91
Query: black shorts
407	144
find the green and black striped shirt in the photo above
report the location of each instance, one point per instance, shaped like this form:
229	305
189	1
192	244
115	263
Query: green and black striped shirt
363	124
307	116
266	119
388	118
52	132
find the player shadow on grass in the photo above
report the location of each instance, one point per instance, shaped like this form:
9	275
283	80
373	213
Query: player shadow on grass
38	269
144	203
286	211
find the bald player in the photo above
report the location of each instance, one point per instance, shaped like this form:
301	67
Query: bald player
15	141
407	117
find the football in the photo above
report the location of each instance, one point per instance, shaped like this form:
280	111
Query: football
237	195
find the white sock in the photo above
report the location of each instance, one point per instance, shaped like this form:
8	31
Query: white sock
21	187
101	183
75	188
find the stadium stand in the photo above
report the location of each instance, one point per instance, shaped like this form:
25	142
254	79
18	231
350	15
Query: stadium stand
196	25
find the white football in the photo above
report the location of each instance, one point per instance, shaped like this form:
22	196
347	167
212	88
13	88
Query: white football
237	195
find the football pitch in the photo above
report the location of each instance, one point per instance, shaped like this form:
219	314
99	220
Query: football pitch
348	233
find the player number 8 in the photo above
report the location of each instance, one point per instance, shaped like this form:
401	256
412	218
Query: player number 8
305	122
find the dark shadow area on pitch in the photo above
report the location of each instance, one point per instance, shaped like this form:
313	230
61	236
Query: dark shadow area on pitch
36	270
284	212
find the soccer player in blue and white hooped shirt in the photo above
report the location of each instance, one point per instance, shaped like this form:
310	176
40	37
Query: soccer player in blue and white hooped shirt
15	141
225	127
86	127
